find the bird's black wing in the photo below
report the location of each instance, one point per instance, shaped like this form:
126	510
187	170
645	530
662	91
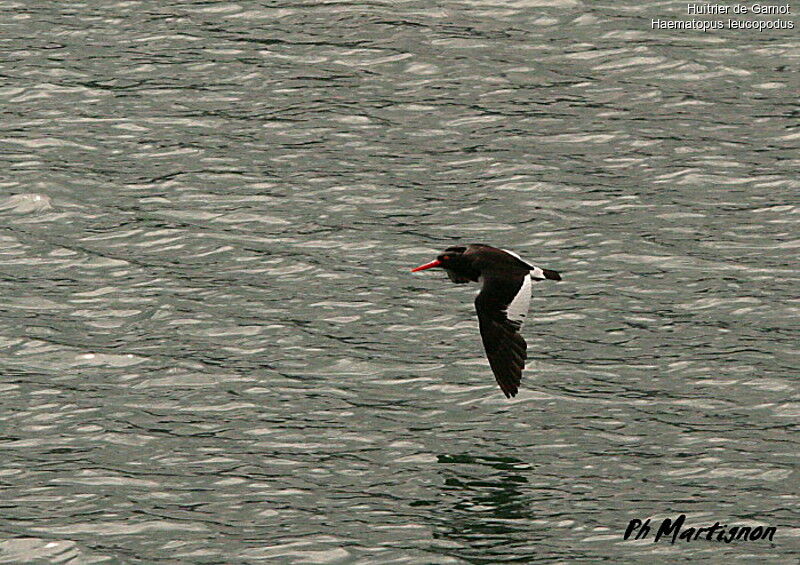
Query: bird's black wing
505	348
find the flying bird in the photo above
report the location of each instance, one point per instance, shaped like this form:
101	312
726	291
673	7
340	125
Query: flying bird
501	304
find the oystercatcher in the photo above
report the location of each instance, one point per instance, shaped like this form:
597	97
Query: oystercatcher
501	304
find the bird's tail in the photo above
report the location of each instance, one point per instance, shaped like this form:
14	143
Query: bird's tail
539	274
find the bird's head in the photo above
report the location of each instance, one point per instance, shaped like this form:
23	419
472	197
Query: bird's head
452	259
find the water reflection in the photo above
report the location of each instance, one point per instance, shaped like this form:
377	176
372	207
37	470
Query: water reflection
211	346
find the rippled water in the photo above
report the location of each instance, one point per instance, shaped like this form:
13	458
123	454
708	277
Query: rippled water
212	348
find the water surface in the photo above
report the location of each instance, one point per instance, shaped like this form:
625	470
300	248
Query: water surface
212	349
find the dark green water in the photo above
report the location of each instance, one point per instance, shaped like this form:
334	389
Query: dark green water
212	350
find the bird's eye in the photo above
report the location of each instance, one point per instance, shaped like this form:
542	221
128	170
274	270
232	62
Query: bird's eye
446	257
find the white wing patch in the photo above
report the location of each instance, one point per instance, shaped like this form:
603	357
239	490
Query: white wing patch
536	272
515	255
518	308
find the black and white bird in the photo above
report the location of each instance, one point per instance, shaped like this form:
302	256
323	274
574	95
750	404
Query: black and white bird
502	303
